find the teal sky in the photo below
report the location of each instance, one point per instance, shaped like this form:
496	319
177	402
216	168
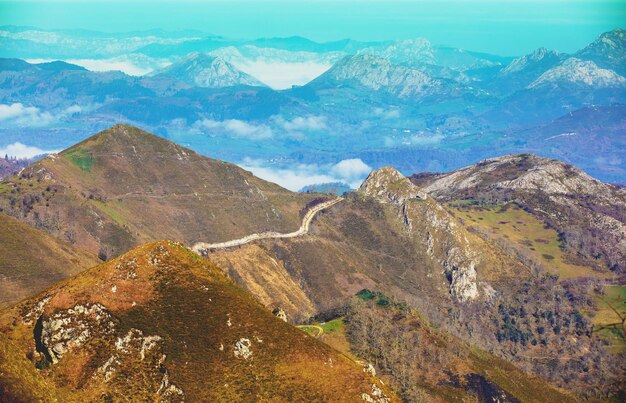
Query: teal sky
505	27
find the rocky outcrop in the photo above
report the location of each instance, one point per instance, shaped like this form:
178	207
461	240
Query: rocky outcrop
445	241
280	314
376	395
243	348
387	185
134	350
71	328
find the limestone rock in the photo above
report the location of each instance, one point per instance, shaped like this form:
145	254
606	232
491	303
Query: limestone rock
243	348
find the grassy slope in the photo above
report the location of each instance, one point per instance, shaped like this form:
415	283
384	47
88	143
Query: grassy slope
194	308
125	186
527	232
606	321
31	260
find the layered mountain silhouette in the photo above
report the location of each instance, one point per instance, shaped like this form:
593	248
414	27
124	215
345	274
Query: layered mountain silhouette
201	70
160	322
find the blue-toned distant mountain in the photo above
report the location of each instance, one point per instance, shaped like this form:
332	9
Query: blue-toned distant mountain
204	71
608	51
407	103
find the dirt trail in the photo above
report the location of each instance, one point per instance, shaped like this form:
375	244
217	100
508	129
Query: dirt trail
202	248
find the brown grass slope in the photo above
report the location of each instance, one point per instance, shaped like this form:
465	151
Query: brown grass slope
366	242
160	323
31	260
124	186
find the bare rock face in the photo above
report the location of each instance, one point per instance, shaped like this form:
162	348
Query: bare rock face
387	185
72	328
280	314
445	241
376	395
78	327
134	350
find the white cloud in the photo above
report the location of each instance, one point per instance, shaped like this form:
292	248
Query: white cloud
351	169
303	123
282	75
297	176
20	150
17	114
387	114
28	116
236	128
133	65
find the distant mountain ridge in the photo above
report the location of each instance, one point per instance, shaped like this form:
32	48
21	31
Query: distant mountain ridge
201	70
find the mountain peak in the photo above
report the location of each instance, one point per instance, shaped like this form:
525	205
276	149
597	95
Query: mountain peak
579	72
540	59
203	70
125	139
377	73
607	51
388	185
409	51
518	171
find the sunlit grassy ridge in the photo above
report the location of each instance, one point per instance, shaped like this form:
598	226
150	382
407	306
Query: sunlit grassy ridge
30	260
165	290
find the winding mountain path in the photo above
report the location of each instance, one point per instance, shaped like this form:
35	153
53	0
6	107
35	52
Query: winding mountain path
202	248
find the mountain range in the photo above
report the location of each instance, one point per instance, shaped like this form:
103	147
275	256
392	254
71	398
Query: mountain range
502	280
410	103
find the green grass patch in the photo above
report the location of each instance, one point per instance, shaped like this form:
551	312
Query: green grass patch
81	159
110	210
333	325
510	223
607	322
312	330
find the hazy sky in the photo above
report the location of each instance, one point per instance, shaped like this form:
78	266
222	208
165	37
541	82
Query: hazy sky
506	27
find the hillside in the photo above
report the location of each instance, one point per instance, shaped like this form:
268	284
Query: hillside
31	260
392	237
124	186
160	323
412	352
590	216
